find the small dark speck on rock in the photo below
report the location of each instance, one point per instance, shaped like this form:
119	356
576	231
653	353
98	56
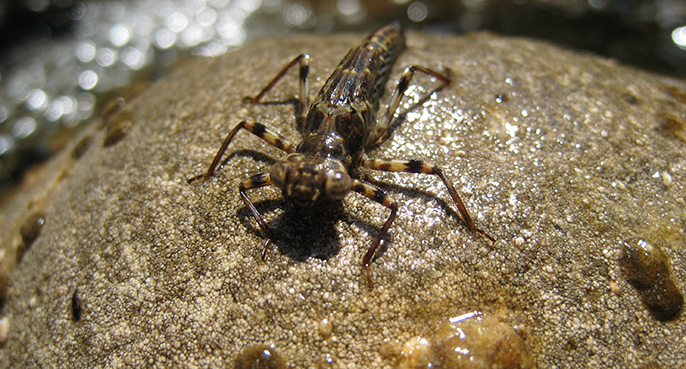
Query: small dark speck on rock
81	147
76	305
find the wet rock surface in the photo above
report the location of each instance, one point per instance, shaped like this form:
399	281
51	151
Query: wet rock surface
560	156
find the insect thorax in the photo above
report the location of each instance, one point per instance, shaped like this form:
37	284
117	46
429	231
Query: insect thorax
350	124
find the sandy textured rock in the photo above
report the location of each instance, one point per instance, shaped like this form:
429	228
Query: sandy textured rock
559	155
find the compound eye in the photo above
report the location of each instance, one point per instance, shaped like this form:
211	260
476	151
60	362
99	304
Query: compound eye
337	185
279	173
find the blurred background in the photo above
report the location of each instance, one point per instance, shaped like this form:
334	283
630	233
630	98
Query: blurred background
61	61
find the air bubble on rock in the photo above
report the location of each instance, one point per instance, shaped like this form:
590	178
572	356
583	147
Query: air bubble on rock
646	267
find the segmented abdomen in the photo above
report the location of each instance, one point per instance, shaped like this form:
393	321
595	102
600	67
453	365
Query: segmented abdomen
363	72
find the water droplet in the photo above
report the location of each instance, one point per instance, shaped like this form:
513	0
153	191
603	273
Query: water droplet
259	357
467	339
32	227
325	328
647	268
30	231
416	353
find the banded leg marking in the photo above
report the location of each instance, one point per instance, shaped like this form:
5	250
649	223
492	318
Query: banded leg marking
382	198
259	130
257	181
385	121
418	166
304	63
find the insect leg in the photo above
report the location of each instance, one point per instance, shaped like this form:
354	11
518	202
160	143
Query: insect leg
404	81
257	181
258	130
418	166
382	198
304	61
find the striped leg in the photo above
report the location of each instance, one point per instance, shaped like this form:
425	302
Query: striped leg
258	130
257	181
304	62
382	198
418	166
404	81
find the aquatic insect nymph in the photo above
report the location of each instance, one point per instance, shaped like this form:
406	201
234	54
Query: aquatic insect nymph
339	129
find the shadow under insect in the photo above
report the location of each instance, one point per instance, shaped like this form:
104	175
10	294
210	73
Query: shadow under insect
300	236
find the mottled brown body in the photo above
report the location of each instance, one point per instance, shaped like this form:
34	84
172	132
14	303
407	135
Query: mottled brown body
343	111
339	127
